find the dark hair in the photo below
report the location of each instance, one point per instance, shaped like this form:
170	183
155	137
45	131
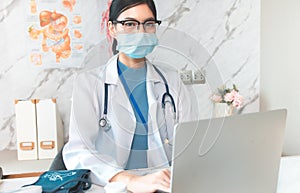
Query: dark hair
119	6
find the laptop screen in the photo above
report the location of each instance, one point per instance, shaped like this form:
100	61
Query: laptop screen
236	154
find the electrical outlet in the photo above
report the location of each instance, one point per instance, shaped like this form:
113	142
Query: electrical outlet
186	76
198	77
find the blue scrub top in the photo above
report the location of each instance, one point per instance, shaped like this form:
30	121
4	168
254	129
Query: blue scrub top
135	78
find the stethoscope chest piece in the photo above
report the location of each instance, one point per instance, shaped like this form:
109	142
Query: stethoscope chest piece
104	124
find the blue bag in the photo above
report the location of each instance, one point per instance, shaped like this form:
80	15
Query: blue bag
64	181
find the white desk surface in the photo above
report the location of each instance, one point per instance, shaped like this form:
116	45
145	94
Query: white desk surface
11	165
288	181
289	175
8	185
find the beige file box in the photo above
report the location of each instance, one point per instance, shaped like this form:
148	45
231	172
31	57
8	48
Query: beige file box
26	129
49	127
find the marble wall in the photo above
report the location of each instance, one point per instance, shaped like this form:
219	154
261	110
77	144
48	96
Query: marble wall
221	38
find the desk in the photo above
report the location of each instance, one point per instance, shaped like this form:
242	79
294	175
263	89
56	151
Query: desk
11	165
13	184
288	180
289	175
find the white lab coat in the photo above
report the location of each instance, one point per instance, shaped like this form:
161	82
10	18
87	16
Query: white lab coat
106	153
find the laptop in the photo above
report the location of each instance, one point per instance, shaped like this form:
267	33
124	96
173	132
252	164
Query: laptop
235	154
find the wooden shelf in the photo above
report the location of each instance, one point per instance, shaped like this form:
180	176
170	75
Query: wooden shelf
22	175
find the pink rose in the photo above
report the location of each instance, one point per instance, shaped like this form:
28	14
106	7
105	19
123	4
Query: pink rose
229	97
216	98
238	101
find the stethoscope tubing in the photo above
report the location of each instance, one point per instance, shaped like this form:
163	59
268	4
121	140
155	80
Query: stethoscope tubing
167	93
104	123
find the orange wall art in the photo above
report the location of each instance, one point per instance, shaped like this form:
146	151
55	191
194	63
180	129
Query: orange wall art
55	33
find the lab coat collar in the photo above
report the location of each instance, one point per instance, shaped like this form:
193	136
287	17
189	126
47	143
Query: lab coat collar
112	76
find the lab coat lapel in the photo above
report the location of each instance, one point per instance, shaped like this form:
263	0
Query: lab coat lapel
117	92
153	91
120	110
156	153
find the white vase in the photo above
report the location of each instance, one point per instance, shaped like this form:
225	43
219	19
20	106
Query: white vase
222	110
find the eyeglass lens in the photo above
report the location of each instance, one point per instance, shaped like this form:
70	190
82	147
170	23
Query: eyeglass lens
132	26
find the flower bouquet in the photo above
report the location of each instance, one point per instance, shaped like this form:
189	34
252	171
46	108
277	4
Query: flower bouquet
226	99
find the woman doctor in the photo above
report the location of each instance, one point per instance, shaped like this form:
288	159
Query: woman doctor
123	114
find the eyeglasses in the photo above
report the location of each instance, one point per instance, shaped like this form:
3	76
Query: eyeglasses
133	26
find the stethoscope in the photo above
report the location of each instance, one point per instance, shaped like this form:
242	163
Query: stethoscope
104	122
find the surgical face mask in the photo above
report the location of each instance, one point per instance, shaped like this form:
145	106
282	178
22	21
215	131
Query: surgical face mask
136	45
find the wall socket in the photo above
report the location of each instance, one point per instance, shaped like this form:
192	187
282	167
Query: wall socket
198	77
192	77
186	76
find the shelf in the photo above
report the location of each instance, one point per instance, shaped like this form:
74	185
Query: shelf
12	166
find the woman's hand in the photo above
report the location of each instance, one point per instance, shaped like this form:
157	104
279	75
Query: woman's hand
145	184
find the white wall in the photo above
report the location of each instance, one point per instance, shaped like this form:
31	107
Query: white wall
280	64
227	29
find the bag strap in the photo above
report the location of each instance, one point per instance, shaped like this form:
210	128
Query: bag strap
87	184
